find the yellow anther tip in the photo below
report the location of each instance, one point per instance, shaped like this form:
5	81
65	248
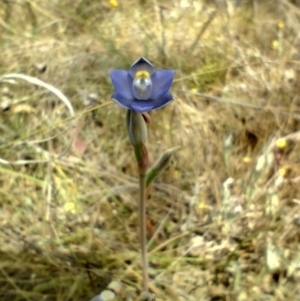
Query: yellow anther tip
142	74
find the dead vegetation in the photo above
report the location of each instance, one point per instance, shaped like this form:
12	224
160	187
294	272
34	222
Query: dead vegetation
223	219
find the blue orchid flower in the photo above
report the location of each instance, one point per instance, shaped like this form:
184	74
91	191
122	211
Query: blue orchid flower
142	88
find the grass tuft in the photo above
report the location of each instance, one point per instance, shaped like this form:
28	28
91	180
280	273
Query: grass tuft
223	219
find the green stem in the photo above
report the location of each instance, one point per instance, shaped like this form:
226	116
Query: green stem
143	230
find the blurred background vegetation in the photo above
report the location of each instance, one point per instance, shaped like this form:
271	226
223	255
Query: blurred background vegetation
223	220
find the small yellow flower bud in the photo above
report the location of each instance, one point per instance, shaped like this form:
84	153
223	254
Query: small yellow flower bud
282	171
113	3
247	159
275	44
281	143
281	25
70	207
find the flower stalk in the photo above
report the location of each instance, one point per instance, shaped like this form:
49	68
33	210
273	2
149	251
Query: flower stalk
137	132
143	229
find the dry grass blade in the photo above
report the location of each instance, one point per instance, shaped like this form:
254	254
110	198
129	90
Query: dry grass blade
37	82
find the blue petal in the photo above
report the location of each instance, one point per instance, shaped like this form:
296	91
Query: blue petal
164	100
141	64
121	101
161	82
143	106
122	82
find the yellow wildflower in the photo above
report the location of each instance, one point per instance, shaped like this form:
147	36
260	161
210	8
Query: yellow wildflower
282	171
281	25
275	44
70	207
113	3
281	143
247	159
